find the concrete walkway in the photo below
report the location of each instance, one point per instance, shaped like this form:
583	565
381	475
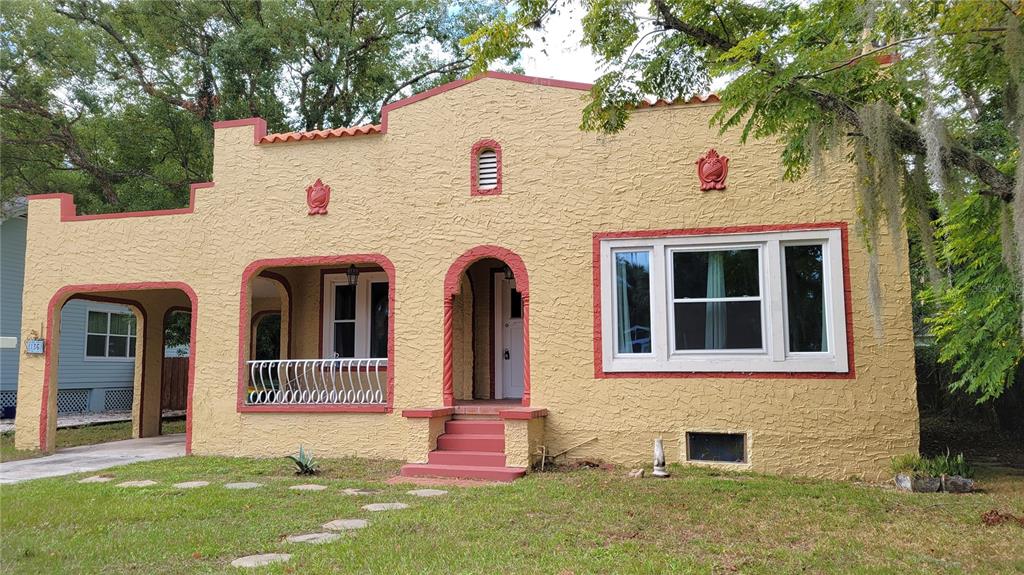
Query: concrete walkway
93	457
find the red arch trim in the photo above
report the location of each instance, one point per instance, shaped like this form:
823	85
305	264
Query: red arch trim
452	281
69	292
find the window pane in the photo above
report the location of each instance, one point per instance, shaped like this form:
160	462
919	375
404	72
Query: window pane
378	320
516	305
96	345
344	302
131	347
119	323
97	322
718	325
727	447
117	346
345	339
633	301
711	274
805	298
132	324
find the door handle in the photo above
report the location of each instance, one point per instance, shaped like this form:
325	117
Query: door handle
507	355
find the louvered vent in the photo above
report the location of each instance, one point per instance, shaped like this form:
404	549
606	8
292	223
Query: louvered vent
487	170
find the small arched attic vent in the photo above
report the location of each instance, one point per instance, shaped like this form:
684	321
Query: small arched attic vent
485	168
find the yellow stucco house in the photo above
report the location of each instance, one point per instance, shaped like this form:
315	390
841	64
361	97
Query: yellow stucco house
475	281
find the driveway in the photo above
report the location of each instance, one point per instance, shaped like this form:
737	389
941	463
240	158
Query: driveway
93	457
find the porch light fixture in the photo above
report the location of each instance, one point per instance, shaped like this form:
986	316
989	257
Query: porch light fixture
509	276
353	275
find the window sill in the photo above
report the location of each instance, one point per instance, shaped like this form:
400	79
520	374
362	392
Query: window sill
314	408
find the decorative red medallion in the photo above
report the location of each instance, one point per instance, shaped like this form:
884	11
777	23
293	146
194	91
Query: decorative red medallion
712	169
317	197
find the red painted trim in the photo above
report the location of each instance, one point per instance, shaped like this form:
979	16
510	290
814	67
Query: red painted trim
68	211
599	372
163	358
459	83
288	290
427	412
520	413
65	293
256	268
474	164
259	126
451	288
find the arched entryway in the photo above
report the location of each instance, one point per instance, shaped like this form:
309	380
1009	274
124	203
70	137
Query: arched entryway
486	328
139	336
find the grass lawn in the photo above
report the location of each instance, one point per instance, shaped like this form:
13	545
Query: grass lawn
85	435
585	521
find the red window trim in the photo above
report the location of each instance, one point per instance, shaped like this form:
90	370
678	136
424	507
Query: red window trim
256	268
600	373
474	164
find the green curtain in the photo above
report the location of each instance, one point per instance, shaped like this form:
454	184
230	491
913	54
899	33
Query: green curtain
714	319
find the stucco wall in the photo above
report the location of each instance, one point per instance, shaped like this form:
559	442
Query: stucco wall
405	195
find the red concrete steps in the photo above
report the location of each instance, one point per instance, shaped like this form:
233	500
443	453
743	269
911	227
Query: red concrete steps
469	448
470	458
463	471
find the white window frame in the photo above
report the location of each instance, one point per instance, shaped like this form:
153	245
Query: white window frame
362	332
774	357
110	310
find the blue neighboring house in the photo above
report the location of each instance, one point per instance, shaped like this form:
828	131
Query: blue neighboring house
96	364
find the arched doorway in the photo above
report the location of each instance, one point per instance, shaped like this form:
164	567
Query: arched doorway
486	328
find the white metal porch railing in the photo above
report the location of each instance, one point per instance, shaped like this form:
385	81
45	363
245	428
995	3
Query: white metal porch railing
345	381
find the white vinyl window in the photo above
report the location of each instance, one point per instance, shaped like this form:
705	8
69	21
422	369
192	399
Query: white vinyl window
760	302
355	317
110	334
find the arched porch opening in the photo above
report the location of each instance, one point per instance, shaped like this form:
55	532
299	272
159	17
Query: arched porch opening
486	328
124	323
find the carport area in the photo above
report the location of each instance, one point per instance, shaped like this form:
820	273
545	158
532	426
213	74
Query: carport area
152	304
93	458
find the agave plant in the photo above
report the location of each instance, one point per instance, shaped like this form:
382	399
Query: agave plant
304	463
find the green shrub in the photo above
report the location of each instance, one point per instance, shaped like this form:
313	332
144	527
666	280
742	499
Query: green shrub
946	464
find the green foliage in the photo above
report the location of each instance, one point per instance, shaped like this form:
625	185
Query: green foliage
304	463
944	464
113	102
977	317
925	97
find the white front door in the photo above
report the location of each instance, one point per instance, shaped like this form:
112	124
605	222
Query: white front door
508	339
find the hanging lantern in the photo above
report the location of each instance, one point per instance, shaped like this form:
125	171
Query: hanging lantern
353	275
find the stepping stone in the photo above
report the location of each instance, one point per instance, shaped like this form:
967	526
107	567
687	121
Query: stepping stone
314	538
243	485
354	491
191	484
427	492
141	483
384	506
345	524
96	479
250	561
308	487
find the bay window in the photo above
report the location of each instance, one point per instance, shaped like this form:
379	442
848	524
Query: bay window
755	302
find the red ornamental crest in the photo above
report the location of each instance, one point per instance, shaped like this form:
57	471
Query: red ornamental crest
317	197
712	169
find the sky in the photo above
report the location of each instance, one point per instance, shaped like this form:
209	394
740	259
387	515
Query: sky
557	53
